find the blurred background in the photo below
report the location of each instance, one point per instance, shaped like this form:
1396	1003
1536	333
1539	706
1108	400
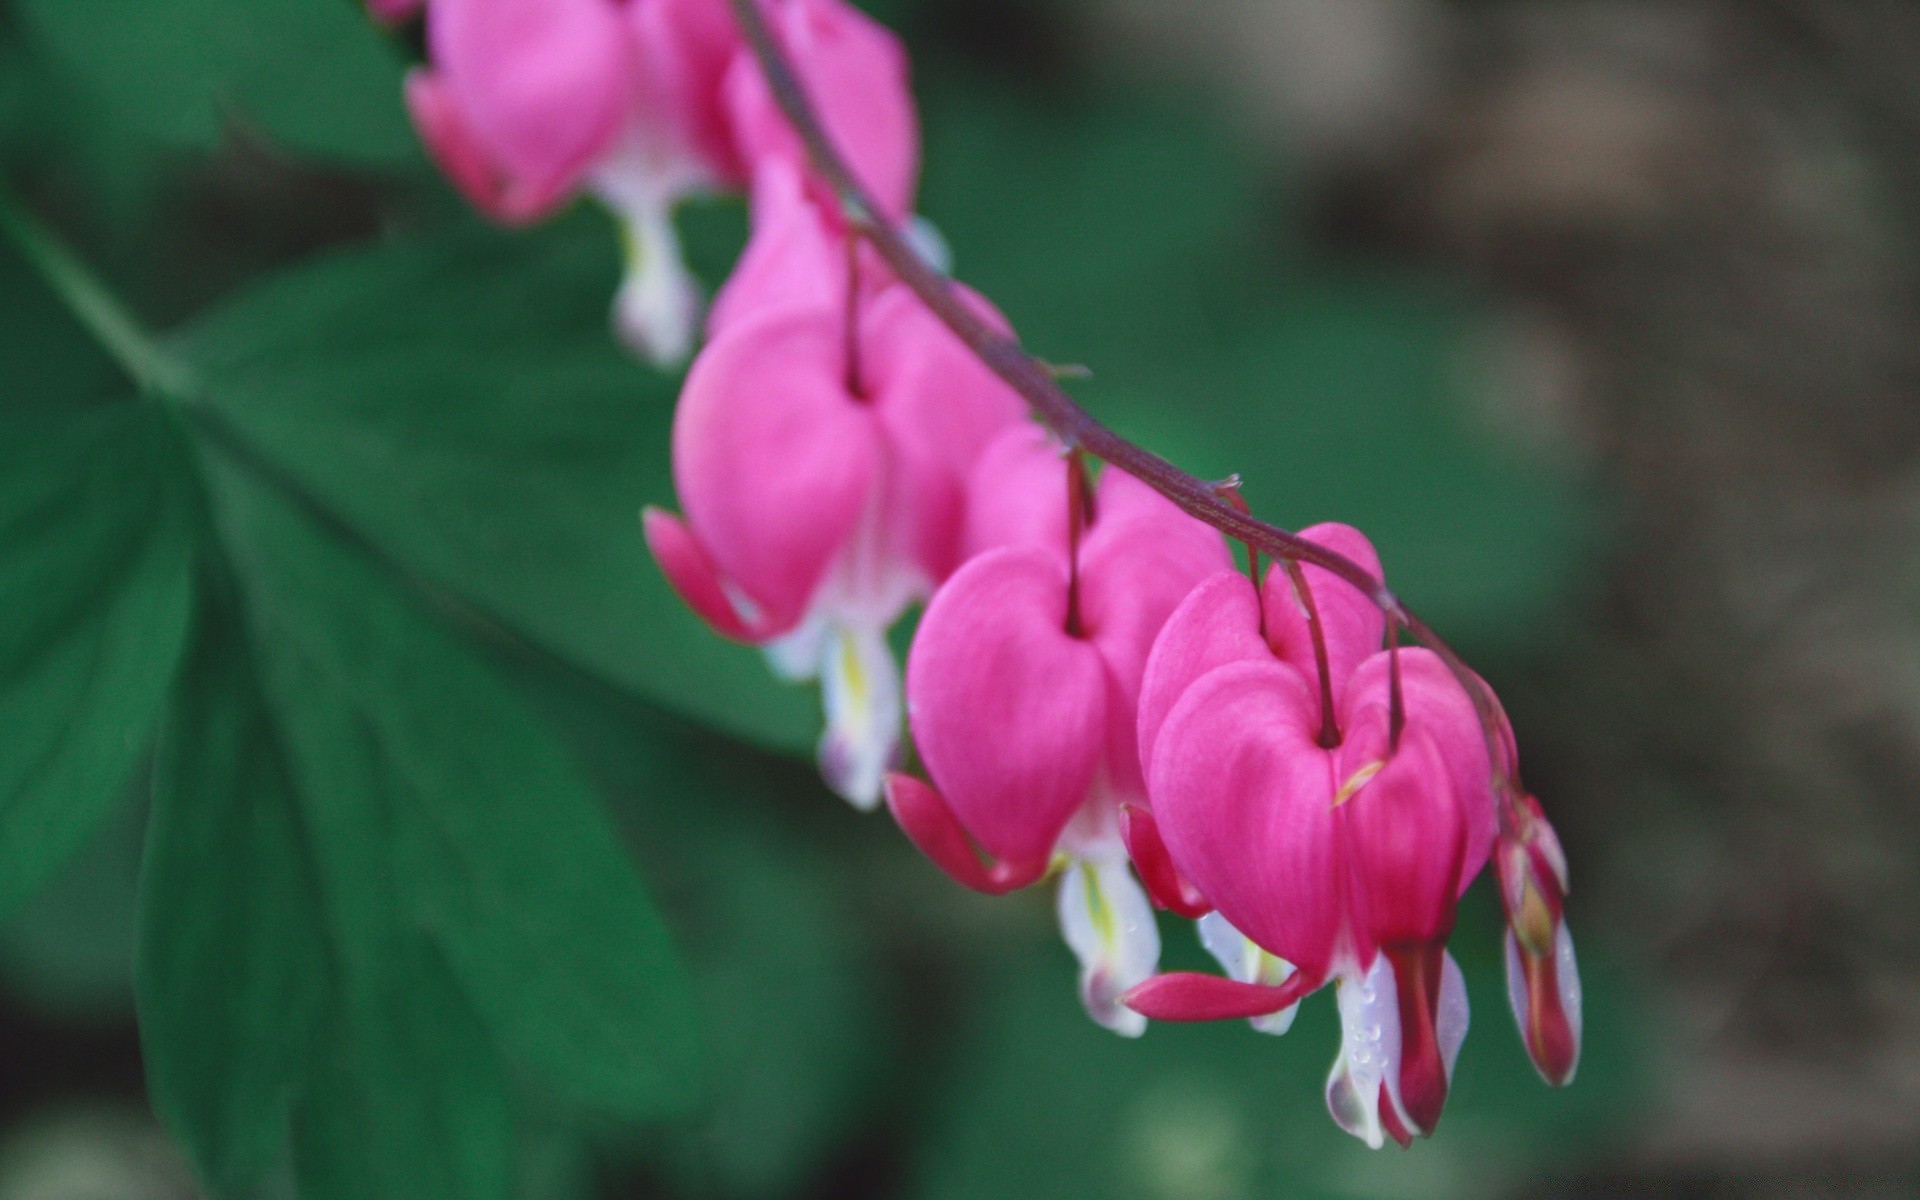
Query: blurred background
1600	317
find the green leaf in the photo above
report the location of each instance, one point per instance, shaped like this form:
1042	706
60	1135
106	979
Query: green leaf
94	597
783	971
401	738
232	960
461	405
406	1097
313	74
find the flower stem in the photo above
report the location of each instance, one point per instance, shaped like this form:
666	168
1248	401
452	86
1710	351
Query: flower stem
131	346
1035	381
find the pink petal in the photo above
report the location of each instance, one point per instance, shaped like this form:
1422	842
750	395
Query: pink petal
688	46
1136	567
940	406
1245	802
1406	838
773	459
542	87
794	256
692	575
1218	623
451	145
930	824
855	72
1192	996
1353	626
1007	708
1017	493
1545	992
1165	885
1437	704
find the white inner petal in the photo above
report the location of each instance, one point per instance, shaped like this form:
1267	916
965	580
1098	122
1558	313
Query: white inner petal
1108	922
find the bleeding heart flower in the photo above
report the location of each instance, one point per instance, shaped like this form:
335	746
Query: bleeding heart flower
1332	838
820	449
1022	686
1543	980
528	102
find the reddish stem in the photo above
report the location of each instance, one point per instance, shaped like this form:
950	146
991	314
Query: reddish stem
1396	700
1079	516
1329	727
855	387
1070	423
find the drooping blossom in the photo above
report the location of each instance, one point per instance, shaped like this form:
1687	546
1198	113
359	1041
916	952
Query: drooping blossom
527	103
1022	686
820	450
1333	839
1543	978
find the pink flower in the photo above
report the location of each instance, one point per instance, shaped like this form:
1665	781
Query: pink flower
1332	849
820	450
527	102
1543	980
1022	686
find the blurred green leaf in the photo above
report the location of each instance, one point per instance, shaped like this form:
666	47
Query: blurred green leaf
313	74
67	953
406	1098
1048	1104
95	584
785	975
491	837
233	958
461	405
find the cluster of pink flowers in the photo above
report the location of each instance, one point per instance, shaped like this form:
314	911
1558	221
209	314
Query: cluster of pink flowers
1094	691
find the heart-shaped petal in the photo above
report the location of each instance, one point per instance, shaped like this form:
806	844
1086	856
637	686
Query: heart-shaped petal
1218	623
541	87
773	459
1007	708
1244	798
1353	626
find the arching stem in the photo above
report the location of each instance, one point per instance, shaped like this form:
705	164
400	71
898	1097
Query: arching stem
1075	427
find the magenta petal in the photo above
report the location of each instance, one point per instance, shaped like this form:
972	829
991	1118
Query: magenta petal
927	821
1244	798
1017	493
1008	709
773	459
854	71
542	86
794	257
691	574
1437	704
688	46
1353	625
451	145
1406	838
1218	623
1192	996
940	408
1166	887
1136	569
